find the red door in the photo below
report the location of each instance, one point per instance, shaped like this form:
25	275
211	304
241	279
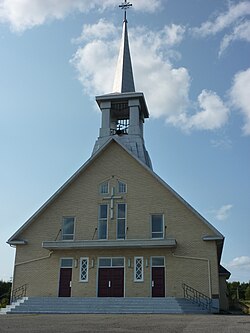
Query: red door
158	282
111	282
65	282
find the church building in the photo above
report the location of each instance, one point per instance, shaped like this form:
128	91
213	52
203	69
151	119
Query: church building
115	228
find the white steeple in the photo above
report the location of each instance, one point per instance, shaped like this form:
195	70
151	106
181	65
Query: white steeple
124	80
124	110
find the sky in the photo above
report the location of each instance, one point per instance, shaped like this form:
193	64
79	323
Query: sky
192	61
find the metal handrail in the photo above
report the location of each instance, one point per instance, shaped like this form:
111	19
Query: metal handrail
19	293
197	297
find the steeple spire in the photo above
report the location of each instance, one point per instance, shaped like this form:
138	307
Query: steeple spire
124	80
124	110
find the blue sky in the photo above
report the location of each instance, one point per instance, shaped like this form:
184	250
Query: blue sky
192	61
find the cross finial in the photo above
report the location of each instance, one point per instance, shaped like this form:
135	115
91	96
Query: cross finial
125	5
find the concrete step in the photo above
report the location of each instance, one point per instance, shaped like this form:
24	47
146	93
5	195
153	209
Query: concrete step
104	305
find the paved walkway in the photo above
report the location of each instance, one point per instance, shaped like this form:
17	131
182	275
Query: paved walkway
124	323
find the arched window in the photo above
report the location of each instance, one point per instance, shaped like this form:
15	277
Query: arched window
122	187
104	188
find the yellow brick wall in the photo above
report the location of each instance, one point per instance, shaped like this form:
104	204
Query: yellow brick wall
145	196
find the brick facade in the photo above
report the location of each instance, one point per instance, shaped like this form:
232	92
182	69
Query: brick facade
193	261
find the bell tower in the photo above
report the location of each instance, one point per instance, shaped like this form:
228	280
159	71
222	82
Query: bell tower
124	110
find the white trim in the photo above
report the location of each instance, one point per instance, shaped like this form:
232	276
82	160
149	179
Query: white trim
142	267
111	244
80	270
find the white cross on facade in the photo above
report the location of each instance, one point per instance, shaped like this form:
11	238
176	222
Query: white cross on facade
112	198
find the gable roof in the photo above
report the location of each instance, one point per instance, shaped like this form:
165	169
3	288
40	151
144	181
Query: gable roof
13	240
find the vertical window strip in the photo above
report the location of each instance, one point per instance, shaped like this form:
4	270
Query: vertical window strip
84	269
68	228
138	269
157	228
103	221
121	221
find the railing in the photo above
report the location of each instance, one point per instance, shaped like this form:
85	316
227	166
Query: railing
197	297
19	293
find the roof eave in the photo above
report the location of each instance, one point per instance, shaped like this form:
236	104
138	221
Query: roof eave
114	97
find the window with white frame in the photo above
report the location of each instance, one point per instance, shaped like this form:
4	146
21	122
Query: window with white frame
138	269
66	262
157	229
68	228
122	187
103	222
104	188
111	262
84	269
121	221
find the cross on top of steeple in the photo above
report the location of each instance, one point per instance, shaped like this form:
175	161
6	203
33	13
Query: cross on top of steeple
125	5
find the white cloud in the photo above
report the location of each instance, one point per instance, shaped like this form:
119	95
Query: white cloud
213	115
234	19
25	14
240	32
242	262
223	212
239	268
224	20
240	96
166	88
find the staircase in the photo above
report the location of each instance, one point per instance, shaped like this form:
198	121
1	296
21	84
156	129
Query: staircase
74	305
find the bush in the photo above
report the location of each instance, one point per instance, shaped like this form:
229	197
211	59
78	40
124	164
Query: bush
5	291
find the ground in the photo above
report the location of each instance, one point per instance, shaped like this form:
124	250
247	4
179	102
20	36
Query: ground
124	323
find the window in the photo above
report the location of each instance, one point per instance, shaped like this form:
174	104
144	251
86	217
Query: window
138	269
157	226
84	269
68	228
111	262
102	222
121	221
157	261
122	187
66	263
104	188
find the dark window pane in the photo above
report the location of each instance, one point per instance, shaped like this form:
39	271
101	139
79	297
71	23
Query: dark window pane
157	261
121	228
102	231
118	262
103	211
104	262
66	263
121	211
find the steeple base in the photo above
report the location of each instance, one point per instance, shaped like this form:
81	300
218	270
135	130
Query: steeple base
133	143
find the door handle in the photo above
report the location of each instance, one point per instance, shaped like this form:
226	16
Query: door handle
109	284
70	284
153	284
